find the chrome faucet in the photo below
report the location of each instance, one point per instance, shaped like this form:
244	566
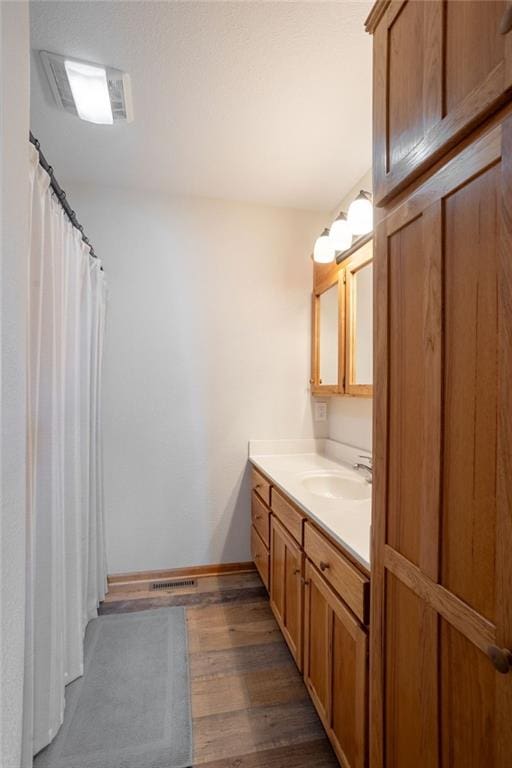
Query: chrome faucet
368	467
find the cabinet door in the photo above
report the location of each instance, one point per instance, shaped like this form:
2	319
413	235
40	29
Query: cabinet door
286	587
336	669
439	68
442	508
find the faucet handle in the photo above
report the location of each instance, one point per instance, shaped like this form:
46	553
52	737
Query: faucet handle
365	456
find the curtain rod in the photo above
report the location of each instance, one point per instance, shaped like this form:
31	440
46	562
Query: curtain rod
61	195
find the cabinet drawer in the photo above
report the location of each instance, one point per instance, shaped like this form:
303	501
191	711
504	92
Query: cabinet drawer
290	517
261	485
260	555
260	518
351	585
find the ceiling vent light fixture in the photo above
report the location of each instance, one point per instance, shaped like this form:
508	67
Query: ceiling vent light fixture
92	92
360	214
323	252
340	233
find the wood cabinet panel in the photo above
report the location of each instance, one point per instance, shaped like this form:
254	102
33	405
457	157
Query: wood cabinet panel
288	515
260	555
410	667
317	627
440	68
286	591
468	530
260	518
468	697
350	584
441	511
261	485
335	669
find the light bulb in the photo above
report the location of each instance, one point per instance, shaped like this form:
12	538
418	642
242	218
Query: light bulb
360	214
323	252
340	233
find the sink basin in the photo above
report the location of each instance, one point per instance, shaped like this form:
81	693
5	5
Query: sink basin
331	485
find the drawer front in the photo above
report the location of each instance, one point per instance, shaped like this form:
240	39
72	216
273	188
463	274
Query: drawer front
260	518
261	485
260	555
290	517
351	585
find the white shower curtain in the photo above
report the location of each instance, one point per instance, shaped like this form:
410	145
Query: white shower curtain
66	569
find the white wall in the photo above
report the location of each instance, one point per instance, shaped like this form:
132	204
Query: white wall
14	127
350	418
207	346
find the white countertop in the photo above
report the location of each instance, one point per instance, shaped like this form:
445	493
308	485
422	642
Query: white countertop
285	462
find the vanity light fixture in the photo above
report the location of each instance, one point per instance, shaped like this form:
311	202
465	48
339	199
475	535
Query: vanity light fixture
324	252
340	233
360	214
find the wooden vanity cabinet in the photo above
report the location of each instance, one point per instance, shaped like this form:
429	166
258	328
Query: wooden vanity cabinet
320	600
286	586
335	669
440	68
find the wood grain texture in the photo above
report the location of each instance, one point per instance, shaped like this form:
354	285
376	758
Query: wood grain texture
336	670
359	259
304	755
441	515
351	585
224	596
440	68
250	706
260	485
260	515
286	591
193	571
289	516
260	555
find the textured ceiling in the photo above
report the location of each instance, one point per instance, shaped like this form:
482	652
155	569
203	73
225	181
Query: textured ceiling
256	101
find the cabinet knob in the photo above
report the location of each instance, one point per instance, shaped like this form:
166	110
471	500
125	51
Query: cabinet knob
501	659
311	381
323	566
319	381
506	20
258	517
305	581
296	572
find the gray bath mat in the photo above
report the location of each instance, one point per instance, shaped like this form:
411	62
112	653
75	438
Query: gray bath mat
131	709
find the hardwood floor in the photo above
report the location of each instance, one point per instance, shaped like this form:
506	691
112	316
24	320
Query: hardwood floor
250	707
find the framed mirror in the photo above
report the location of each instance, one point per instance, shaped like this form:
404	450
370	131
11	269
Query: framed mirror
359	322
327	337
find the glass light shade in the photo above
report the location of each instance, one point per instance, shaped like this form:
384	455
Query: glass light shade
340	233
360	214
324	252
90	92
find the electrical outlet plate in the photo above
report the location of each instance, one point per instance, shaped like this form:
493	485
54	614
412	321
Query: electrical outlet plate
320	411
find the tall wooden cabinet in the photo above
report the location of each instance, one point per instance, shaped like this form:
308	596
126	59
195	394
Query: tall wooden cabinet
441	622
440	66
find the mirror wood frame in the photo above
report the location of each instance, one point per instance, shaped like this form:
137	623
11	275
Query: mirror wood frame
342	274
356	263
335	277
